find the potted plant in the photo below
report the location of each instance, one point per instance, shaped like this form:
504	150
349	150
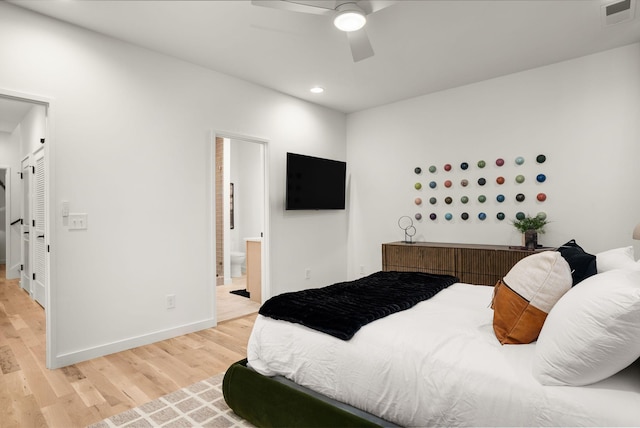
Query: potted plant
530	227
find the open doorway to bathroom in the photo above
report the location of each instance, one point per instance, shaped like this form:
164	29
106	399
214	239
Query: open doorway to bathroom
240	175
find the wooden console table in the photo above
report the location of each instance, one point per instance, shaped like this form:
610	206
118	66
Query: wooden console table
472	263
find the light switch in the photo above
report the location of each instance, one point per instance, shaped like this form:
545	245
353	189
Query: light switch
78	221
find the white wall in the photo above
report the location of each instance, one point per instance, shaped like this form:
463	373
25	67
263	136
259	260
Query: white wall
10	146
3	223
33	127
4	162
133	150
583	114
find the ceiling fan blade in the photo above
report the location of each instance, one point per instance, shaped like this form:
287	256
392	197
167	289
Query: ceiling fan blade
360	45
312	7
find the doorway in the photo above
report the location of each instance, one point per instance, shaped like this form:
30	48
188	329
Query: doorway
25	153
241	225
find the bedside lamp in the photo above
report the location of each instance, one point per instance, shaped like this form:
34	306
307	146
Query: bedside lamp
636	232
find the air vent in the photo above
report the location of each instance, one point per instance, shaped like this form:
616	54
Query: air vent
618	12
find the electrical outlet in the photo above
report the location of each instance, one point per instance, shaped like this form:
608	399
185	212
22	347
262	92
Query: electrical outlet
171	301
307	273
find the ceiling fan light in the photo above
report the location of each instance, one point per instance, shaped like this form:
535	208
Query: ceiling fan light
349	17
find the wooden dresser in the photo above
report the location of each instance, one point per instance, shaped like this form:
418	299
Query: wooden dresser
472	263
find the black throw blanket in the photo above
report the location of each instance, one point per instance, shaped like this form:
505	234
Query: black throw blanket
341	309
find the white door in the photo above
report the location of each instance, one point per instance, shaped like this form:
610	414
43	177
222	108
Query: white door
25	265
39	276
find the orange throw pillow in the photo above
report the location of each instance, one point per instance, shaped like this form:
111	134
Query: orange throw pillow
522	300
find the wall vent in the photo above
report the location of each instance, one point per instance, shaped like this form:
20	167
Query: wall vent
618	12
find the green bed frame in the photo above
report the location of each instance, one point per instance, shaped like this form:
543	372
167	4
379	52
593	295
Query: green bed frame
278	402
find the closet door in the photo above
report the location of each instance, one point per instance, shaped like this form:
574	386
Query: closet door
25	265
39	242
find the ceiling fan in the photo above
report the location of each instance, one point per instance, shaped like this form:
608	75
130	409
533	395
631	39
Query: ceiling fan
349	16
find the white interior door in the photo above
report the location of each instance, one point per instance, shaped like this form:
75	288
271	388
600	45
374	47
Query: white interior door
39	276
25	265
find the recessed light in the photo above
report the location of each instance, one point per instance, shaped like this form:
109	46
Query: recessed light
317	90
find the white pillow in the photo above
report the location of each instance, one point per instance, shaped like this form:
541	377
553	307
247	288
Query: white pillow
592	332
617	258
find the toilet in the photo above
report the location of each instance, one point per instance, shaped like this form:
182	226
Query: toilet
237	258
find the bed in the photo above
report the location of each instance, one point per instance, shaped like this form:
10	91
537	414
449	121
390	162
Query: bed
440	363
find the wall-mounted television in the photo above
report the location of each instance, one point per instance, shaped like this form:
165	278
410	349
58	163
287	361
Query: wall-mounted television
315	183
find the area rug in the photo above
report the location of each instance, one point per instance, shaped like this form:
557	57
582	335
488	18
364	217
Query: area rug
243	293
198	405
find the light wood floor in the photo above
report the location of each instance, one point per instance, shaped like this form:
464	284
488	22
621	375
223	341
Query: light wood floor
230	306
87	392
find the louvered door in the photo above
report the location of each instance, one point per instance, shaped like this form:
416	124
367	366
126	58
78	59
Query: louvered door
25	245
39	238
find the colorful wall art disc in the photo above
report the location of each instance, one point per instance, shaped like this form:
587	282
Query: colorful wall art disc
482	199
541	197
464	199
418	170
482	216
464	216
418	186
482	181
448	216
448	200
433	184
418	216
520	197
418	201
541	158
499	161
447	167
500	180
433	216
464	165
542	215
520	215
432	200
481	164
464	182
500	216
500	198
519	160
541	178
520	178
447	183
432	169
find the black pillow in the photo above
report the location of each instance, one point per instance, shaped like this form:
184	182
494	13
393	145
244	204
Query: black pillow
582	264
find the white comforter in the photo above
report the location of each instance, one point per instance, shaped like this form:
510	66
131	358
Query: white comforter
439	363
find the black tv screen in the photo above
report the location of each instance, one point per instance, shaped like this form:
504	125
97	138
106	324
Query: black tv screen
315	183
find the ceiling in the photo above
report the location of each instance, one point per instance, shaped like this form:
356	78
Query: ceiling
420	46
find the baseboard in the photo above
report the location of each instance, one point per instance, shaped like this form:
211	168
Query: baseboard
67	359
13	272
